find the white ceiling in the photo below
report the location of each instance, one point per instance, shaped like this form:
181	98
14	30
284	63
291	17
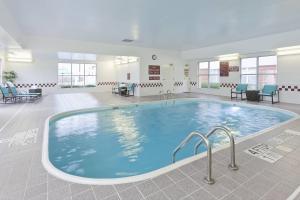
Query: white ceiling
165	24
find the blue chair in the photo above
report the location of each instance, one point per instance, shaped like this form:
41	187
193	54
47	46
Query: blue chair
6	95
130	88
270	91
14	90
240	89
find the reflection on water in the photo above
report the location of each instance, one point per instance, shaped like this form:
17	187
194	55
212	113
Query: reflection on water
129	136
74	166
130	141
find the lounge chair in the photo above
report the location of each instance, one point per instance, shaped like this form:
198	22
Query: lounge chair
269	91
6	95
16	95
14	90
240	89
130	88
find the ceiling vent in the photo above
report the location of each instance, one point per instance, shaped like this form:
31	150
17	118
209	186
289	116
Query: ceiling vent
127	40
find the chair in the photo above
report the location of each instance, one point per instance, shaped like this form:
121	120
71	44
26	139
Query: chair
270	91
6	94
240	89
130	88
20	96
14	91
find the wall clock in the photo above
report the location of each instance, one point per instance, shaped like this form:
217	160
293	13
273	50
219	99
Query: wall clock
154	57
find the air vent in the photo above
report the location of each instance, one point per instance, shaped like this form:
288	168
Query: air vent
127	40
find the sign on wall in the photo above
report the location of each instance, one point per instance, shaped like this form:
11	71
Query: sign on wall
224	68
234	68
154	70
128	76
151	78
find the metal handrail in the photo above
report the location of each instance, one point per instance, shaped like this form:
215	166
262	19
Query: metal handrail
162	95
228	133
169	94
208	179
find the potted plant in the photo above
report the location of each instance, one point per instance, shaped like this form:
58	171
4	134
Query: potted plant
9	76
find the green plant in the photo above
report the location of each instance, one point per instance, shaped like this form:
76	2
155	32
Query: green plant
9	76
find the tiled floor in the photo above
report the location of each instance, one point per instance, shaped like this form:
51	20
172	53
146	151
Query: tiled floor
22	175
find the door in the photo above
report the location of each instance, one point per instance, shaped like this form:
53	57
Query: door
168	78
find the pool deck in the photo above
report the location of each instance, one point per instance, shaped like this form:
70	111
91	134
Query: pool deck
22	175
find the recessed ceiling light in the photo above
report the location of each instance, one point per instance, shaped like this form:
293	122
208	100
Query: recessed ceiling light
288	50
228	57
127	40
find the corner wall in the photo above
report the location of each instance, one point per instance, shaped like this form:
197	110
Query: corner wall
43	70
288	78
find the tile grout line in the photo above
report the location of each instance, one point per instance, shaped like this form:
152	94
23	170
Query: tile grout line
114	186
12	117
28	177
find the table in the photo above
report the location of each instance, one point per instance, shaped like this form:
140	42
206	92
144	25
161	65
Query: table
37	90
252	95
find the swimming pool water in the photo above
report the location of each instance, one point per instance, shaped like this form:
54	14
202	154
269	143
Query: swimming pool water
133	140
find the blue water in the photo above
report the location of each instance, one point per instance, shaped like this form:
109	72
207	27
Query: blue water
138	139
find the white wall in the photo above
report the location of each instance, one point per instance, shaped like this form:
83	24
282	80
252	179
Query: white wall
289	75
166	59
288	66
43	69
2	63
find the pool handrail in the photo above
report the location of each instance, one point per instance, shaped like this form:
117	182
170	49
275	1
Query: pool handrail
228	133
208	179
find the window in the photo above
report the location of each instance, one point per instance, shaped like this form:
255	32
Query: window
209	74
214	74
267	70
76	74
249	72
257	72
203	75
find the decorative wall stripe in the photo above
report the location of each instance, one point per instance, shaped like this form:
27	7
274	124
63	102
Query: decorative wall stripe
228	85
193	83
107	83
292	88
147	85
178	83
40	85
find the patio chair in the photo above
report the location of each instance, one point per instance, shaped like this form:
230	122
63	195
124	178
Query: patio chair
6	95
130	88
270	91
240	89
20	96
14	91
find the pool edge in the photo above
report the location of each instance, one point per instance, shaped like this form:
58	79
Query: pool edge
51	169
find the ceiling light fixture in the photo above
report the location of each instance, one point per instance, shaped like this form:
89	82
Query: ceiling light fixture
227	57
19	55
288	50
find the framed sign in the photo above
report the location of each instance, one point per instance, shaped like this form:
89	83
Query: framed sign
128	76
151	78
234	68
224	68
154	70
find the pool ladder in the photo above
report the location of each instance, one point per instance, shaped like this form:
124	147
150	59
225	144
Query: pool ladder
204	139
166	96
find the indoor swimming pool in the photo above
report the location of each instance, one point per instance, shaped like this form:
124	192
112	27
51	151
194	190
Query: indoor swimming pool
131	140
